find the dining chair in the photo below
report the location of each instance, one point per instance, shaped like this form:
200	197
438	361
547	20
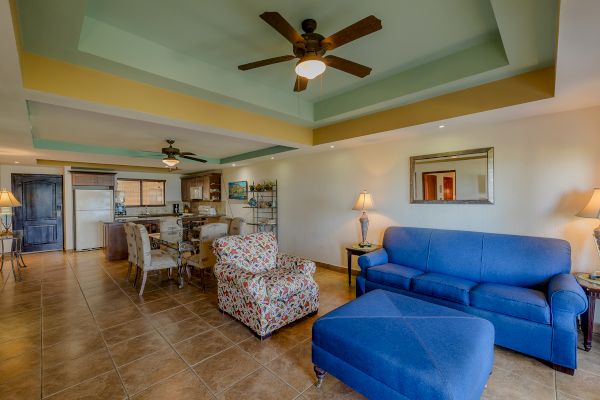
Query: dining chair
148	259
237	226
129	228
204	259
170	224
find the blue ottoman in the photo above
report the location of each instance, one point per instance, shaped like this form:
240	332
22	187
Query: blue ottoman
389	346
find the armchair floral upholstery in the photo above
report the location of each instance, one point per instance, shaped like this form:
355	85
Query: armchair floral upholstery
261	288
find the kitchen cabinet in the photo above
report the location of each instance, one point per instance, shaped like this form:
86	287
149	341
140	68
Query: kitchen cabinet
92	179
210	183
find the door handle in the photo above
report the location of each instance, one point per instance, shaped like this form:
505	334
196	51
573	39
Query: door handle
58	211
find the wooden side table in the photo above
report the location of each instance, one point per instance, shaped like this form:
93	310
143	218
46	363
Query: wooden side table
355	250
592	291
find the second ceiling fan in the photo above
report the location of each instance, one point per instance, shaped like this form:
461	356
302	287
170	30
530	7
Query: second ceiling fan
310	48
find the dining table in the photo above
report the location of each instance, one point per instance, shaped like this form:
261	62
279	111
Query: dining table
180	241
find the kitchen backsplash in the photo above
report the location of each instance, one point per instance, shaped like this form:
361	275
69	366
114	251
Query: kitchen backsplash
168	208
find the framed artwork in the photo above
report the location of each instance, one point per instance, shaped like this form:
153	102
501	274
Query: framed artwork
238	190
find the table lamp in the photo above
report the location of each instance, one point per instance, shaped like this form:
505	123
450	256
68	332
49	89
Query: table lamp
592	210
7	202
364	202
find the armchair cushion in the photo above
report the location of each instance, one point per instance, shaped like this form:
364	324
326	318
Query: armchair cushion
296	263
282	283
515	301
256	252
565	294
393	275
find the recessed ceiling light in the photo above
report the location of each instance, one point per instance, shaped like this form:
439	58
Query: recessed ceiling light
442	126
233	165
332	146
17	162
272	158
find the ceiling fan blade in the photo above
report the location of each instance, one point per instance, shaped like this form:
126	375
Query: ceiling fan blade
357	30
282	26
186	153
262	63
347	66
300	84
193	158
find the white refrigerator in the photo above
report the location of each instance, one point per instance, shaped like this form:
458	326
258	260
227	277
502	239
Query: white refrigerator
92	209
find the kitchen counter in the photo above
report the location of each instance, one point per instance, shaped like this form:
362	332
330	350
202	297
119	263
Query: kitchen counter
158	217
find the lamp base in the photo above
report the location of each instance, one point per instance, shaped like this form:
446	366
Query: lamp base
597	237
364	227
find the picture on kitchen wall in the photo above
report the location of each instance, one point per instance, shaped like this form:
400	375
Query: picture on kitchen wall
238	190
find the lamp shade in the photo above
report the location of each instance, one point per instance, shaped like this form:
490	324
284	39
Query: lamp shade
364	201
7	199
592	209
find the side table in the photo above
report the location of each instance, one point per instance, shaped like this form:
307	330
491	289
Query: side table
592	291
356	250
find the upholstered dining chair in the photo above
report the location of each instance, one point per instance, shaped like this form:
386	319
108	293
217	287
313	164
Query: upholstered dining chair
204	259
129	228
148	259
237	226
169	224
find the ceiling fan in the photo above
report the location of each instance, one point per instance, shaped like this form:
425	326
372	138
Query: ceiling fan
310	48
171	153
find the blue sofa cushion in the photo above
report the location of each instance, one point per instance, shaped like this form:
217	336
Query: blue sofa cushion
444	286
393	275
456	253
407	246
515	301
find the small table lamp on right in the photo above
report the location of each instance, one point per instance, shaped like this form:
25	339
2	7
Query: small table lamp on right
364	202
592	210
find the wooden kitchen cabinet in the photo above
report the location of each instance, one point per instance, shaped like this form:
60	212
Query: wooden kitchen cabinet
210	183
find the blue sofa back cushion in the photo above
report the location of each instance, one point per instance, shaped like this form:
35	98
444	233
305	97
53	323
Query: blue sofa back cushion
444	286
523	260
456	253
407	246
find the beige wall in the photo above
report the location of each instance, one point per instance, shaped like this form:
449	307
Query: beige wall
545	169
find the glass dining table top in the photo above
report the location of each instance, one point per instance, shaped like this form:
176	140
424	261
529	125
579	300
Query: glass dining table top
176	238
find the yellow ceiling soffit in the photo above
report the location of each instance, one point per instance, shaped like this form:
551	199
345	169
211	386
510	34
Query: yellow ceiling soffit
530	86
16	27
115	167
64	79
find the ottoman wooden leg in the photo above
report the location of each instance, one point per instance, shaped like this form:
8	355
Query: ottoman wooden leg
320	375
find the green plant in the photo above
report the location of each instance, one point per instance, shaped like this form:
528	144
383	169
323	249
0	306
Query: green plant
268	185
252	188
260	187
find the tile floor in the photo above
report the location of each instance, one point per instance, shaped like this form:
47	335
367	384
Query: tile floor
76	329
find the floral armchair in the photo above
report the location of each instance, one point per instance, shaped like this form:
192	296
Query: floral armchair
261	288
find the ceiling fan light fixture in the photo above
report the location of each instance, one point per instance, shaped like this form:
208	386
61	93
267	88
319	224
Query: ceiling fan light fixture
170	161
310	67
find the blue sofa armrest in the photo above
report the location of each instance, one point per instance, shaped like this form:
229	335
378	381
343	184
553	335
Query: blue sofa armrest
565	294
372	259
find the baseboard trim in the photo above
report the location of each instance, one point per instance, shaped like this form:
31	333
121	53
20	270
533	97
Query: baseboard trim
342	270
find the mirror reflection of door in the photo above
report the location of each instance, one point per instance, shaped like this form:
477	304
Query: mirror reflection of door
429	187
446	190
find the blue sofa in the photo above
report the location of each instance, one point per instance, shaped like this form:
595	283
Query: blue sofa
521	284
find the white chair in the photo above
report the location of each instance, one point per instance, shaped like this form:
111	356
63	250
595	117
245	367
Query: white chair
205	258
170	224
237	226
148	259
129	228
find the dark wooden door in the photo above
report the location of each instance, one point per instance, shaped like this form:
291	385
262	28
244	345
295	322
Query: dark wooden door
448	188
41	215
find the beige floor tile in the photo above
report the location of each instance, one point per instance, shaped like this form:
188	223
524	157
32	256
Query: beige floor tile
117	317
185	329
295	367
23	387
128	330
72	348
138	347
261	384
526	367
200	307
170	316
24	364
105	386
269	349
72	372
157	306
50	337
201	346
183	386
148	297
147	371
216	318
583	384
332	389
23	345
235	331
589	360
504	384
226	368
